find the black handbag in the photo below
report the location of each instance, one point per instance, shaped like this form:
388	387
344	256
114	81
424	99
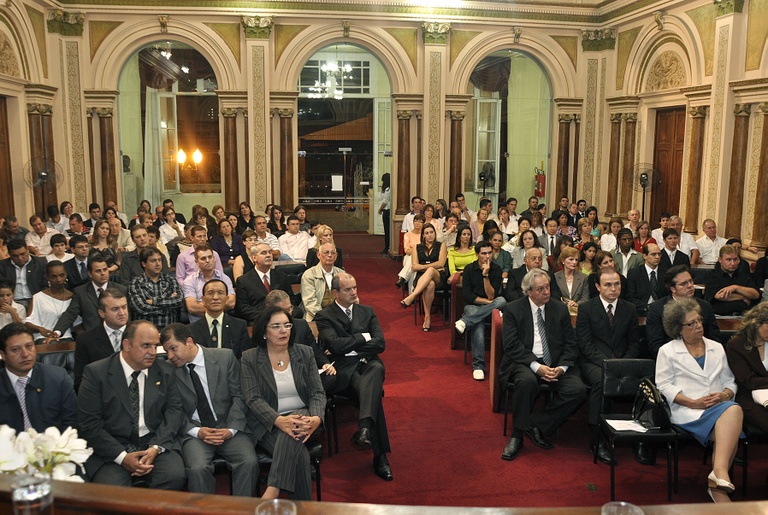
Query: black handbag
650	408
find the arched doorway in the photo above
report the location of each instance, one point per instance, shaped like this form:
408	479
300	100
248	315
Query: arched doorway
345	136
508	128
169	127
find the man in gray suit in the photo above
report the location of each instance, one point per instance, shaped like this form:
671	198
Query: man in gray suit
130	414
209	386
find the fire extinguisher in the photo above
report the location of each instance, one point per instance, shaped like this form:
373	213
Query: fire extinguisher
539	181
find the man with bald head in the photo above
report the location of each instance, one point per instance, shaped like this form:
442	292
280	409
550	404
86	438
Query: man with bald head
316	281
252	287
533	259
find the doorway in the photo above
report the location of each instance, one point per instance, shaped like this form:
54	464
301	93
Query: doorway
6	194
668	162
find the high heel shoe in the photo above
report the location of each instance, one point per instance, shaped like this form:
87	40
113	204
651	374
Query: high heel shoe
404	304
425	329
722	484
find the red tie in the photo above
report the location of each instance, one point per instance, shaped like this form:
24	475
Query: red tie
266	282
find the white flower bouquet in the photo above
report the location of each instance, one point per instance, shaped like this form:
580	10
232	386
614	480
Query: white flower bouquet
53	452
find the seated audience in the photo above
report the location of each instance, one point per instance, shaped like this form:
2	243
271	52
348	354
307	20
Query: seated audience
32	395
448	235
429	264
478	224
730	291
584	234
13	230
593	219
564	228
48	305
482	285
216	328
634	221
276	223
604	259
76	227
154	296
540	347
4	248
300	212
686	244
263	236
129	448
94	209
170	229
658	233
59	249
610	240
569	285
410	240
670	253
507	225
429	218
185	263
214	421
77	268
490	227
626	257
709	245
645	285
56	220
10	311
121	237
747	359
227	244
587	255
743	263
31	269
193	284
103	246
606	327
514	288
294	243
553	259
286	406
760	275
692	373
527	239
500	256
244	262
549	238
246	219
324	234
111	212
252	287
316	291
106	338
130	265
38	240
643	236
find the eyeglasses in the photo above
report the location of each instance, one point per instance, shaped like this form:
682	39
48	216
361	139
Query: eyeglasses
277	327
693	323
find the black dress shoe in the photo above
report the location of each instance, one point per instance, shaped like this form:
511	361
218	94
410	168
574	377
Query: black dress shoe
362	438
645	454
538	438
382	468
603	454
400	283
512	449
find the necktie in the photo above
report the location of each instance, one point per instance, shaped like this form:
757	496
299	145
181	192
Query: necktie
203	408
652	280
215	332
348	311
21	392
99	291
266	282
117	340
551	245
83	271
133	391
610	314
543	335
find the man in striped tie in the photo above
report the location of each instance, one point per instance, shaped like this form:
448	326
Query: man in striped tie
32	394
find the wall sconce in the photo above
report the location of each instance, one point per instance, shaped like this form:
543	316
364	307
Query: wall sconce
197	158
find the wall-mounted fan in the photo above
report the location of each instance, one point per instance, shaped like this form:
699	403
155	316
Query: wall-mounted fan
645	178
43	172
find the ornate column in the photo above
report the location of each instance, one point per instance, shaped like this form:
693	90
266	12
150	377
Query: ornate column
695	167
563	155
230	176
246	161
613	166
738	175
419	147
37	148
628	163
403	162
107	144
577	131
286	158
760	225
91	164
456	154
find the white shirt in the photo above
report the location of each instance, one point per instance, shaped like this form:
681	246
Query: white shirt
295	245
671	254
110	333
168	233
41	243
270	239
625	260
386	199
687	243
606	304
608	242
658	235
199	363
6	318
648	271
22	291
15	379
538	348
407	224
709	250
220	319
141	379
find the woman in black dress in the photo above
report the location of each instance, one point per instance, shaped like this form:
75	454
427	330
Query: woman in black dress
429	264
276	225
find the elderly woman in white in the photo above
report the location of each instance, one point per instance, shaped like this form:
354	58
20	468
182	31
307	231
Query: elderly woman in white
692	373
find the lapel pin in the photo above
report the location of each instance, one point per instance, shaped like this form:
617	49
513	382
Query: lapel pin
157	383
39	390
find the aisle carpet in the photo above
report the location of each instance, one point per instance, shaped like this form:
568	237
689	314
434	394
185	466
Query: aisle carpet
446	441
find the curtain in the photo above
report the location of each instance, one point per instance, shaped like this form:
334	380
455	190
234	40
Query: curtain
153	152
492	74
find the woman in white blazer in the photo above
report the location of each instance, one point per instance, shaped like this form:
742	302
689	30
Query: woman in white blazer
692	373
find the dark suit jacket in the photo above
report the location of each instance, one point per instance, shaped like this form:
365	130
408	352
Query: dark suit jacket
517	336
130	267
260	389
74	279
250	293
104	408
86	305
640	288
342	335
654	329
681	258
91	346
50	399
761	272
599	339
36	279
748	369
233	334
223	373
514	288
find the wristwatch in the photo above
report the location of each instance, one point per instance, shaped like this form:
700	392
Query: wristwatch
160	450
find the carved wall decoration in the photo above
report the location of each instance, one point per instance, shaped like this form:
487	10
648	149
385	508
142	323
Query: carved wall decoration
76	136
435	33
589	130
435	123
718	106
9	64
600	126
257	27
753	171
258	110
667	72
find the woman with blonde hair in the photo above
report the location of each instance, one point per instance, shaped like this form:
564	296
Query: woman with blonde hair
324	234
570	285
244	262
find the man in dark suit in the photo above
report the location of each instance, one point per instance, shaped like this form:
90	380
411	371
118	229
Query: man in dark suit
216	328
514	289
106	338
671	255
353	335
32	395
30	268
539	347
606	327
214	413
253	286
77	268
644	283
548	240
132	429
85	302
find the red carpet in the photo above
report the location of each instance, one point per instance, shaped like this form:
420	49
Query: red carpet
447	443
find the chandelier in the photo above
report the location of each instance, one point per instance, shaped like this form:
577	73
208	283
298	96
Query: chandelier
332	75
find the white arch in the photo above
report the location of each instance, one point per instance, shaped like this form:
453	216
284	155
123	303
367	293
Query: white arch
555	64
30	61
393	58
118	47
644	50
